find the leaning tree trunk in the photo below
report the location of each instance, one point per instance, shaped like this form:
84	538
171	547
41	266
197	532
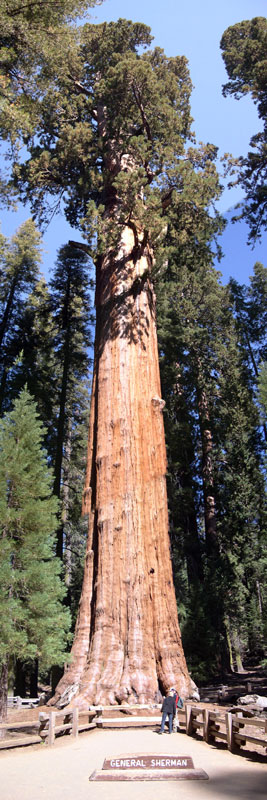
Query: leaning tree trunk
3	694
127	641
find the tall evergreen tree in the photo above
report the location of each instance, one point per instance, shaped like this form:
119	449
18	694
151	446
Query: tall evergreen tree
210	409
19	274
249	305
35	344
19	270
33	33
121	156
48	348
34	623
244	49
72	319
263	386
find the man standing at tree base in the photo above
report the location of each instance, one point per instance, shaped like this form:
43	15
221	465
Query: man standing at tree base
168	709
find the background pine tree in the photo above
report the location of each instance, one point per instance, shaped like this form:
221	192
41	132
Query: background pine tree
244	53
213	432
34	623
20	259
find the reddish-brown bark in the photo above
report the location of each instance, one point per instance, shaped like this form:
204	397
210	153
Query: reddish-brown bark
3	693
127	642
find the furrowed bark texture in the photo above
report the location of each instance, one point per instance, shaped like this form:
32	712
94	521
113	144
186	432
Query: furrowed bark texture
127	642
3	694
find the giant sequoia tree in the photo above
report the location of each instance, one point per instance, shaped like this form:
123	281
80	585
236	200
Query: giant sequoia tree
113	136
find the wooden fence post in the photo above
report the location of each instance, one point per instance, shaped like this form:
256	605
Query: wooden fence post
43	720
206	726
229	732
75	722
188	720
51	729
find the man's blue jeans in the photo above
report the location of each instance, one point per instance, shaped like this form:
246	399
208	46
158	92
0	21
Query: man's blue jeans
165	714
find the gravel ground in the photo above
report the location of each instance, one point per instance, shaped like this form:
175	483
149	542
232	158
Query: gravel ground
62	772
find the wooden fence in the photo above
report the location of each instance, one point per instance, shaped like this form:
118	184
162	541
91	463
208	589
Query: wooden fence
228	694
48	726
15	701
210	725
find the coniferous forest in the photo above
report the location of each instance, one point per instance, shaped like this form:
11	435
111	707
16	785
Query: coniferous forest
96	121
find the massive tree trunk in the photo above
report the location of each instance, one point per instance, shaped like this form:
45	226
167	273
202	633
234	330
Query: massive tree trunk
127	641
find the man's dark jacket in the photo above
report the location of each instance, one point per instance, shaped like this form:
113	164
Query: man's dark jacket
169	705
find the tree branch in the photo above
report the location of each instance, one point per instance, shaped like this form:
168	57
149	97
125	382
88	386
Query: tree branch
142	112
166	200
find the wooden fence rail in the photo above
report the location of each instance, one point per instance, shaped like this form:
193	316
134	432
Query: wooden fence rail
20	741
15	701
210	725
73	722
214	725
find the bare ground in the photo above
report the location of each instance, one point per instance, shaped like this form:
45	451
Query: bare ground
62	772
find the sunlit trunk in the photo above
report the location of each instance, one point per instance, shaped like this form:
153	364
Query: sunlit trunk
127	642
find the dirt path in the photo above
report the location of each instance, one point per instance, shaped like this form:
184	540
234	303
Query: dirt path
62	772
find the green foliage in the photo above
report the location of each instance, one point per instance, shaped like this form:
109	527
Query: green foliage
46	344
263	387
114	134
257	310
214	452
34	623
249	306
34	338
244	48
203	644
107	126
19	265
244	55
32	33
19	269
72	318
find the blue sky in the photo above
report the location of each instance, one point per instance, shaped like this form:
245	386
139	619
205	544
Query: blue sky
193	29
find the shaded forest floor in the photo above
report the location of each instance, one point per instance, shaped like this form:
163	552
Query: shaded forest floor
235	684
